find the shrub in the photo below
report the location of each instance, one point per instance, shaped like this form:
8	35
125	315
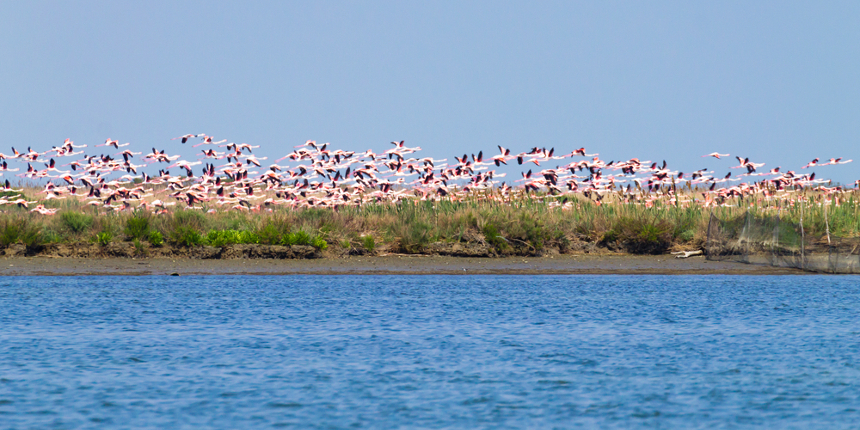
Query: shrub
534	231
298	238
186	236
564	243
609	236
137	227
644	235
189	218
492	236
368	242
51	236
139	248
155	238
32	235
273	232
528	230
319	243
416	236
11	232
20	230
302	238
76	222
686	236
230	237
104	238
231	221
248	237
221	238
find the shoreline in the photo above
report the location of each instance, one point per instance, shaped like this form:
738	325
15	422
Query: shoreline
386	265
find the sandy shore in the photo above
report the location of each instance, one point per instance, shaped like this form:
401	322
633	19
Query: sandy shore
386	265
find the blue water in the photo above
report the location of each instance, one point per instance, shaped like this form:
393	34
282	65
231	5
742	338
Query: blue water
430	351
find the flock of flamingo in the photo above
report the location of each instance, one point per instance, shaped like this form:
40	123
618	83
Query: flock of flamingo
229	176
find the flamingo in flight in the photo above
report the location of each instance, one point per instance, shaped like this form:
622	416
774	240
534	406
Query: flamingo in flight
370	176
812	163
836	161
185	137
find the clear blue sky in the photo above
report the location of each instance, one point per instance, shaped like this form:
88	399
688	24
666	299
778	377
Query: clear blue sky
776	81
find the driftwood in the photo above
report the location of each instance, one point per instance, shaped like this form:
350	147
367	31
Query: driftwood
686	254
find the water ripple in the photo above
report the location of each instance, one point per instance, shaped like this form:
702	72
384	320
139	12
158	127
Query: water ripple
430	351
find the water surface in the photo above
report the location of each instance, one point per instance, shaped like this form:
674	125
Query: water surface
430	351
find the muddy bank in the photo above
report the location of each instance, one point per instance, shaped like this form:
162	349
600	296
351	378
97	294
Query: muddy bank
124	258
384	265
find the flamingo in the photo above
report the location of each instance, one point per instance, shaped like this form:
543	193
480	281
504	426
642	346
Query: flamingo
185	137
207	140
322	182
835	161
812	163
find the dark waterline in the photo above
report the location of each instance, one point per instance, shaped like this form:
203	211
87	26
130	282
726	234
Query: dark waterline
430	351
